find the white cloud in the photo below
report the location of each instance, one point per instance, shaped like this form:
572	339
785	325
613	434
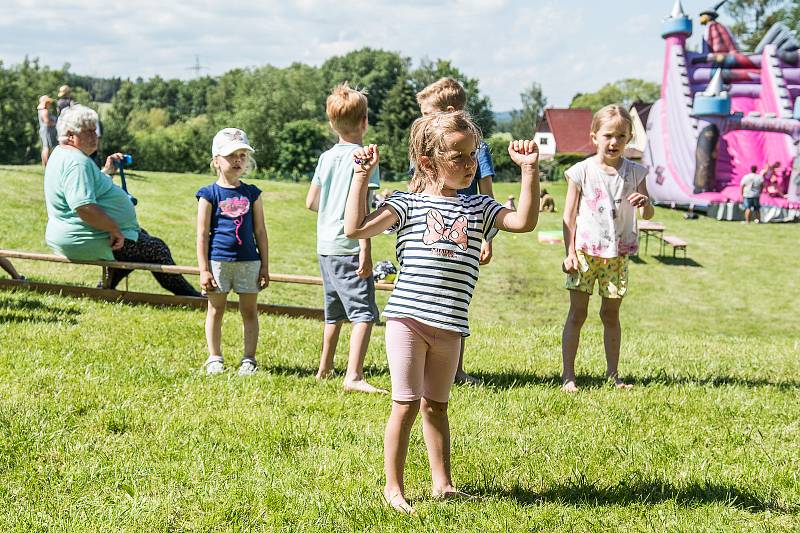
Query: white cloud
567	46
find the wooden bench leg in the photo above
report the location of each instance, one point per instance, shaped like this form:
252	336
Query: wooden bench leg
106	278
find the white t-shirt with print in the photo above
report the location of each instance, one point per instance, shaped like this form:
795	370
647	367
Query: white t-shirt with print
751	185
606	222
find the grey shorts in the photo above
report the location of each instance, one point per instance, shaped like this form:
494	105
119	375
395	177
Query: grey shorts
241	276
347	297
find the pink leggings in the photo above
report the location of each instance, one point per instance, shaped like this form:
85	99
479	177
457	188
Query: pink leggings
422	360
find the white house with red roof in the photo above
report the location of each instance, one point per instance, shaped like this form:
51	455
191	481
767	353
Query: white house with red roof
564	131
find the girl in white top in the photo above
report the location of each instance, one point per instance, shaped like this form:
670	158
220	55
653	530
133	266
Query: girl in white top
600	232
439	237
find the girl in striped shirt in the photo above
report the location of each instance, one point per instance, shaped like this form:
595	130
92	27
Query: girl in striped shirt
439	237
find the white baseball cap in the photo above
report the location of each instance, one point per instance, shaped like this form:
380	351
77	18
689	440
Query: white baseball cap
228	140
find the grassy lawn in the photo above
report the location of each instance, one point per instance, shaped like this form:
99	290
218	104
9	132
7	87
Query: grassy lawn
107	422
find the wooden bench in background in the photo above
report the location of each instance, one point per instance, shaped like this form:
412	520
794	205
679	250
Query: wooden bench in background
116	295
676	242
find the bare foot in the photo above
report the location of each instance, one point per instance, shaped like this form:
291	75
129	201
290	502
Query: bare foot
462	378
452	493
325	374
397	501
361	385
618	383
569	386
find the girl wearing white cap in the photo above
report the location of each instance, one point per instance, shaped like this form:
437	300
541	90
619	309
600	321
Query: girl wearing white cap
232	250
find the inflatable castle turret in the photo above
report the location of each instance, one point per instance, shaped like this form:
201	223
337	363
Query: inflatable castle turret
721	112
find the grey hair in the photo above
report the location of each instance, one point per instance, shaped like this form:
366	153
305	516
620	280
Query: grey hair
75	119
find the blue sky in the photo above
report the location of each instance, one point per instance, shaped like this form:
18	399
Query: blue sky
566	46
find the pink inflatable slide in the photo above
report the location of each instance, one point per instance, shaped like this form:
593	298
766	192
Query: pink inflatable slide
721	113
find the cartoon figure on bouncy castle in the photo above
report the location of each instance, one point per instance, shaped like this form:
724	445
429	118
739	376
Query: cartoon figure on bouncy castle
716	39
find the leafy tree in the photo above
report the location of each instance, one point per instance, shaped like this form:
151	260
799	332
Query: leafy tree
399	111
624	92
300	144
20	88
753	18
375	71
525	120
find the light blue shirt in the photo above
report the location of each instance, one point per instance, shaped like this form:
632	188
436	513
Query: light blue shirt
333	176
72	180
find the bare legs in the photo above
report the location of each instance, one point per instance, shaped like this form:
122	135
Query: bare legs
612	336
578	308
436	431
330	338
395	451
461	376
6	265
359	342
248	308
216	310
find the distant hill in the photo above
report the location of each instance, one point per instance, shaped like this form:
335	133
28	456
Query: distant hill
502	116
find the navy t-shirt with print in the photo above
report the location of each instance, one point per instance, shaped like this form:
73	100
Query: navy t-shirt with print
231	236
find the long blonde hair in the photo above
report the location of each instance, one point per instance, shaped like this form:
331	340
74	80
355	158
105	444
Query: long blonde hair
427	140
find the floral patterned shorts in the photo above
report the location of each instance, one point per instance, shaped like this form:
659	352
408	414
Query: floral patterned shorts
611	276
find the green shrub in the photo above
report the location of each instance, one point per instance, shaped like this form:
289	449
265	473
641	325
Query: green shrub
300	143
553	169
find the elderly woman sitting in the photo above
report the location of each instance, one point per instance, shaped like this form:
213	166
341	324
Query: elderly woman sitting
89	217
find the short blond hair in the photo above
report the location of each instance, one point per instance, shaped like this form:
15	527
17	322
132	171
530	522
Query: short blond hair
427	139
443	93
612	113
346	108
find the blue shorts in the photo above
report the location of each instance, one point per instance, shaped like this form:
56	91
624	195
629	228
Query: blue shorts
752	203
347	297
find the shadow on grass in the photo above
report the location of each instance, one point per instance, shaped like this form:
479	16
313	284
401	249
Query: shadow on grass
508	380
311	370
26	309
679	261
583	493
637	260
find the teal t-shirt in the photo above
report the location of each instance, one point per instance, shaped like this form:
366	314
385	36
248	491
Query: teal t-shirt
333	176
72	180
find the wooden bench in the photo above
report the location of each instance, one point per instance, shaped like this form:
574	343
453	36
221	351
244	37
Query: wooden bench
676	242
116	295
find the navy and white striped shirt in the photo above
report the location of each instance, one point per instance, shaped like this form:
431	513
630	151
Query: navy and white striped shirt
438	247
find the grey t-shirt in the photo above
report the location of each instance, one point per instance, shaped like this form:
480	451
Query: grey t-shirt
751	185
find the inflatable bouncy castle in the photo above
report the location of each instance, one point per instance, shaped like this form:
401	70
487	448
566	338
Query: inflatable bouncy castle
721	112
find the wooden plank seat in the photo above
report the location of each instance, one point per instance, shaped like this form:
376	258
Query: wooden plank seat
676	242
116	295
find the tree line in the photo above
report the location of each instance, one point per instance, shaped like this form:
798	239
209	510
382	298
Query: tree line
168	124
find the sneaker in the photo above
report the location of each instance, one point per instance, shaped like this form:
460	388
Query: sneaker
248	367
214	365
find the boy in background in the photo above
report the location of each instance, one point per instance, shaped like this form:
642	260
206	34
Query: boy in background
346	264
446	95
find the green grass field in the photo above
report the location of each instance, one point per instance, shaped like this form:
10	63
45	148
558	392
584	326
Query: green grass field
107	422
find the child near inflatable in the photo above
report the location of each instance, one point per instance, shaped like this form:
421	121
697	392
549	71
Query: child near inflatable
232	250
600	232
439	235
